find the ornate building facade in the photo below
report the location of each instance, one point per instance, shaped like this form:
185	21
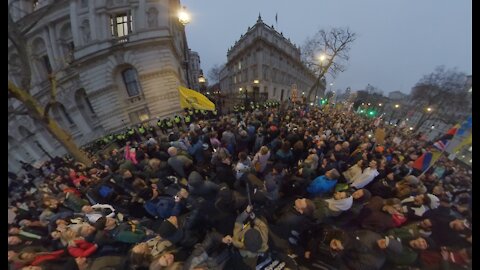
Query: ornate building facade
116	63
266	65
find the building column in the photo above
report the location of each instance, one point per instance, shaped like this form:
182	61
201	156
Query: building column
141	13
92	18
57	60
74	23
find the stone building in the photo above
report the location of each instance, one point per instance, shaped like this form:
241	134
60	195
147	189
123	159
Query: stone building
195	70
265	64
116	63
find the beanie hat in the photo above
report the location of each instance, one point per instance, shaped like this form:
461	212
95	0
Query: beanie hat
166	229
70	264
393	245
195	179
252	240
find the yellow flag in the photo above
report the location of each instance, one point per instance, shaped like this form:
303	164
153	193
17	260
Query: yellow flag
466	141
192	99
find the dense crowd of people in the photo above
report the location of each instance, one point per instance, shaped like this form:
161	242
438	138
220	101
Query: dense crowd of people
270	188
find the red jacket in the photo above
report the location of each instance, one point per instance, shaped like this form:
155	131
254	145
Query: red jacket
83	248
75	178
72	190
47	257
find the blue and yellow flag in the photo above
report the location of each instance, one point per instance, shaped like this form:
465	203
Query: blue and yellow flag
192	99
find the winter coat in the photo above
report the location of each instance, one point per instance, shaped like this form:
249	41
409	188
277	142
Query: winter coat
82	248
365	254
163	207
321	185
179	163
262	160
54	255
212	253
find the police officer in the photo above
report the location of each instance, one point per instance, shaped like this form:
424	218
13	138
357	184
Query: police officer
196	112
162	126
178	120
190	113
169	123
204	114
141	130
187	119
151	130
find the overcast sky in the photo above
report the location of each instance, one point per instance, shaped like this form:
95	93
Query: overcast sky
397	41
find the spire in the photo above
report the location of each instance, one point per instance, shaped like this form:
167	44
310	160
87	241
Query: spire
259	18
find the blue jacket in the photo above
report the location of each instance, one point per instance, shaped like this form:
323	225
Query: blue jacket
321	185
163	207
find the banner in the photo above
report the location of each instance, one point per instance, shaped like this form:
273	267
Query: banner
192	99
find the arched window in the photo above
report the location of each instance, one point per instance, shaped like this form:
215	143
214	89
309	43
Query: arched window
130	78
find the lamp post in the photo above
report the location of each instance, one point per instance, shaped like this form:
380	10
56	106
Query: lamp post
396	106
184	19
256	82
202	81
322	58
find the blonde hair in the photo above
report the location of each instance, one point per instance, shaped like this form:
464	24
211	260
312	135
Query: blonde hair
263	150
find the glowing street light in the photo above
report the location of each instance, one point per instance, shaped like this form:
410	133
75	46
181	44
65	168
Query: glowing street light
183	16
397	106
201	79
240	89
429	109
256	81
380	104
323	57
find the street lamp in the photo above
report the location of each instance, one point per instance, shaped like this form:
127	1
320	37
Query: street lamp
396	107
183	16
184	19
380	104
429	109
323	57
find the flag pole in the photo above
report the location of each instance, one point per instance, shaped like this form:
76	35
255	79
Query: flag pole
441	153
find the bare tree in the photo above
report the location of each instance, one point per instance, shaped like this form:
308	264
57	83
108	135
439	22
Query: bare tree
17	35
334	45
444	92
215	72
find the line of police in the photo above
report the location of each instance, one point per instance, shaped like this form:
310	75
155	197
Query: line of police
167	124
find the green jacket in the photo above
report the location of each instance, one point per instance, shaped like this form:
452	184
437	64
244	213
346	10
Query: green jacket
408	256
74	202
408	231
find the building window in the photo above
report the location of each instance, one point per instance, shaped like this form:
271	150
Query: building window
67	116
121	24
130	79
46	63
